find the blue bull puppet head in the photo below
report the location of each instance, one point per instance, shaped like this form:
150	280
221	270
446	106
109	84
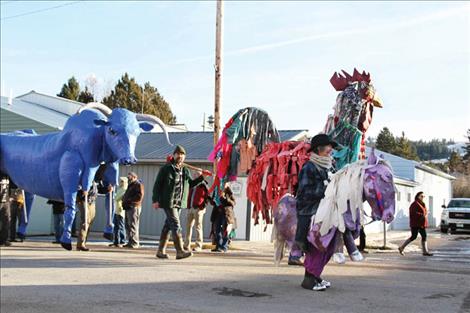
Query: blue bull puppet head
122	127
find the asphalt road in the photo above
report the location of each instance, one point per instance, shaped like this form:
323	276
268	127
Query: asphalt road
37	276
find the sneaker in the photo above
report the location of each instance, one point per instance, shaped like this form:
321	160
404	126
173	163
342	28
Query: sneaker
339	258
400	250
197	249
5	244
325	283
356	256
217	250
318	287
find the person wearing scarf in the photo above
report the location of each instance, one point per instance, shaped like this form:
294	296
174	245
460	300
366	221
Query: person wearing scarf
418	224
313	179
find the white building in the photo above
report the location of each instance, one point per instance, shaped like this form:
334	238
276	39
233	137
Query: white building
410	178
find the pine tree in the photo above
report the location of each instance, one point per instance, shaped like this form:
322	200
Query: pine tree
128	94
405	148
455	162
385	141
71	90
156	105
85	96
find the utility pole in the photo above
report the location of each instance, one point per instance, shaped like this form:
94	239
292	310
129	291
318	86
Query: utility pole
218	72
204	122
143	98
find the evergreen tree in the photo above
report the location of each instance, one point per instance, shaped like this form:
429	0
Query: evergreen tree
128	94
405	148
455	163
85	96
71	90
156	105
385	141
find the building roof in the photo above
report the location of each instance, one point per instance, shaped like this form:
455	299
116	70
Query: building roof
54	111
198	145
53	103
35	112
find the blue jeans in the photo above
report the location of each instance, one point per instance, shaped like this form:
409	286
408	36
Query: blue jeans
221	235
119	229
58	226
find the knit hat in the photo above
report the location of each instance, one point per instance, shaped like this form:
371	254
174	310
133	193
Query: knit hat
179	149
321	140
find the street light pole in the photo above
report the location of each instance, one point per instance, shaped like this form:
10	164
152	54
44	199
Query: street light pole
218	72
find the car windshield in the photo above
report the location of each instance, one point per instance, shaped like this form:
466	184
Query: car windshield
459	204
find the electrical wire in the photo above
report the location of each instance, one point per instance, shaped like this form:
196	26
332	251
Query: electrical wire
40	10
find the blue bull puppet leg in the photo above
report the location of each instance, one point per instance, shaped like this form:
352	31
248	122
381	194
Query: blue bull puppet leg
69	217
24	220
109	208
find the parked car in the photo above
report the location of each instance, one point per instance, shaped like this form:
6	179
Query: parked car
456	215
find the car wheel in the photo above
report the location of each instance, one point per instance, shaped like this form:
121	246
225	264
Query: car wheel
444	230
453	231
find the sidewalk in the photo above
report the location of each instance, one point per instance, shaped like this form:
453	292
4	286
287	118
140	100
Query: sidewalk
374	242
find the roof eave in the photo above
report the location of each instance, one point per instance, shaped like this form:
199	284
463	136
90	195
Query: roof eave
434	171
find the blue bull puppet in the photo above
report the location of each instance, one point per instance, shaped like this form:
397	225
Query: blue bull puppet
57	165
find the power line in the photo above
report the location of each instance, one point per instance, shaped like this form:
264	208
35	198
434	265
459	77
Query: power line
40	10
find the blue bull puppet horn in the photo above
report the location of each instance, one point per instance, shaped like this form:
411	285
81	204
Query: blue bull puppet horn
154	120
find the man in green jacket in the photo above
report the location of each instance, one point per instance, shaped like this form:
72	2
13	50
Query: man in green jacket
170	192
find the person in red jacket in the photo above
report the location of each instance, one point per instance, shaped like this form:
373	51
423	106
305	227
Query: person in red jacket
198	198
418	223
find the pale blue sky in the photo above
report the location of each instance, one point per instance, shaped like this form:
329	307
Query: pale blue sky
279	56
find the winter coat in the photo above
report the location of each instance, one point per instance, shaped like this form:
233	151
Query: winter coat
198	197
418	214
164	187
119	196
133	196
311	188
226	206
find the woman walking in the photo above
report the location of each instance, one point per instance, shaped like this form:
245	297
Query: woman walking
418	224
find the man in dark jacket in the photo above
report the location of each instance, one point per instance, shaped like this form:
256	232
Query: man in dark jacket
87	215
313	179
170	192
58	209
5	213
132	204
17	208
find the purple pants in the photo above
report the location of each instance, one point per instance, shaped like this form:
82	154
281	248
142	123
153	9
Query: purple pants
295	251
315	259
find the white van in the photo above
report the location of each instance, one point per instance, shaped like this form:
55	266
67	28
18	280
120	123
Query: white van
456	215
